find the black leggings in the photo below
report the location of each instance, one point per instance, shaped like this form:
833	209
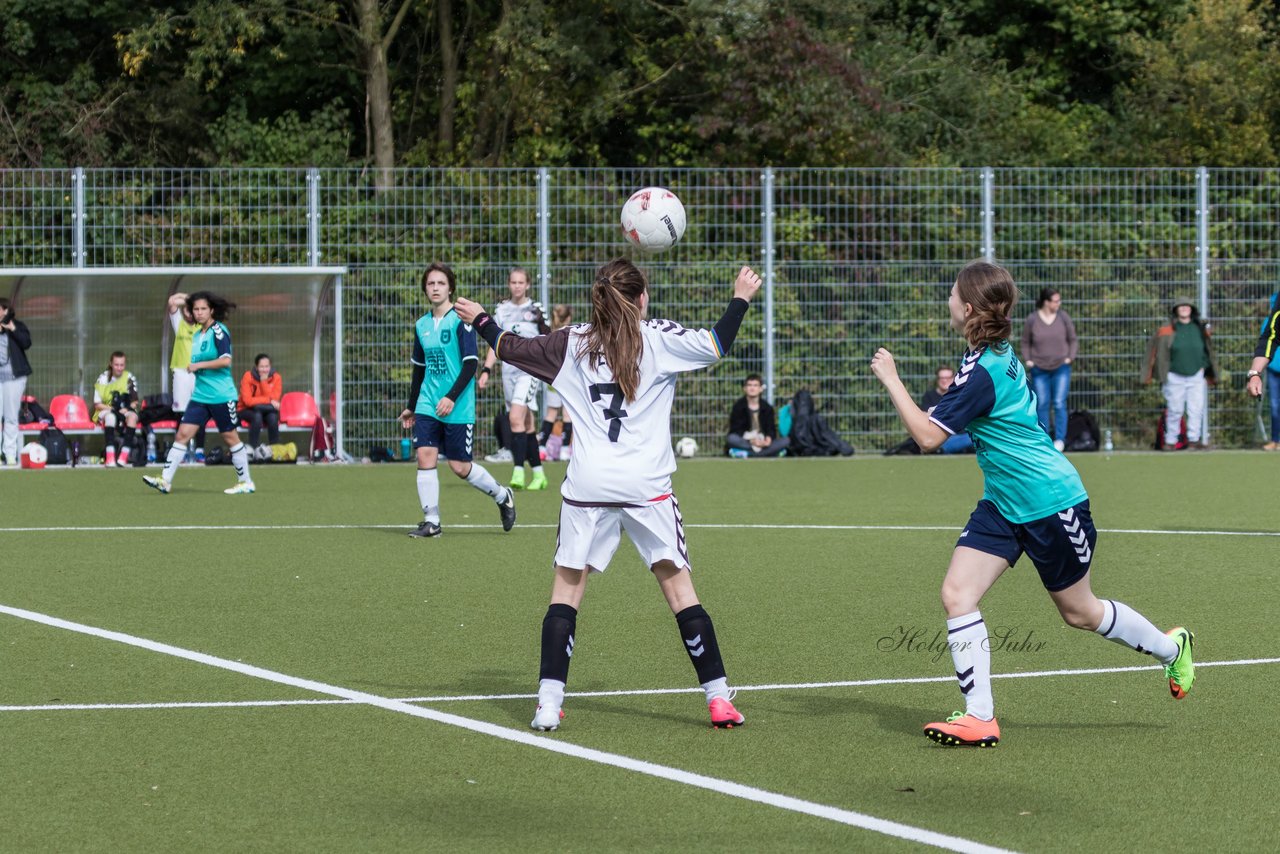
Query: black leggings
263	413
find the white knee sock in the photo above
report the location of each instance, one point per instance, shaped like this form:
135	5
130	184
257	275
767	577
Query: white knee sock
971	652
429	494
1123	625
177	453
240	459
551	693
483	481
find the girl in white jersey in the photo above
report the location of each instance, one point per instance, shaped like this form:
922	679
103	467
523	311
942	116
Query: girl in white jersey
1033	501
617	376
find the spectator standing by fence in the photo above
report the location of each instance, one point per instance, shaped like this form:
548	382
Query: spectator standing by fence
15	340
260	391
1181	357
1048	348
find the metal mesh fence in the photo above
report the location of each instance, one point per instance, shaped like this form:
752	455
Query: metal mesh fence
859	258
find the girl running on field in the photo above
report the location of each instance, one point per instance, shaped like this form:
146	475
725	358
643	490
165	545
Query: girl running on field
617	378
1033	501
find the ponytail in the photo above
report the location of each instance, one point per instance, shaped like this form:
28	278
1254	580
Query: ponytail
614	338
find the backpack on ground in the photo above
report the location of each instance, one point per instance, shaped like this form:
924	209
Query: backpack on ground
1082	431
55	442
322	449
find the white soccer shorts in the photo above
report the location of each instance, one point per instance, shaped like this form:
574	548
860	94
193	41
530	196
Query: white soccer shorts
588	536
551	399
519	387
184	383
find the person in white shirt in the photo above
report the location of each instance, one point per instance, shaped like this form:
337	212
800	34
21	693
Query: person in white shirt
521	316
617	378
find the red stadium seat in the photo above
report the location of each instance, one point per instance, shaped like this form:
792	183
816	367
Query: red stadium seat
298	409
70	412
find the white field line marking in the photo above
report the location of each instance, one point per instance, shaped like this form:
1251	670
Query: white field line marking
712	526
553	745
455	698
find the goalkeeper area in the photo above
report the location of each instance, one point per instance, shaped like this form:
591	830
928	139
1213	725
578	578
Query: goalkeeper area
289	671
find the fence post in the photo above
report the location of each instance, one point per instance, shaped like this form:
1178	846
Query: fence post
988	214
766	261
543	218
313	217
1202	266
77	217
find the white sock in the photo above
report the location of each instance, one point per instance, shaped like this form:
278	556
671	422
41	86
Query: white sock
1123	625
177	453
716	689
240	459
967	637
551	693
429	494
483	481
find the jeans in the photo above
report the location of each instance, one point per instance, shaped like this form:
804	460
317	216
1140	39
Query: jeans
1051	390
1273	398
777	446
960	443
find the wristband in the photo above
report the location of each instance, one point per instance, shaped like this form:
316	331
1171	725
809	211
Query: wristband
1252	374
484	370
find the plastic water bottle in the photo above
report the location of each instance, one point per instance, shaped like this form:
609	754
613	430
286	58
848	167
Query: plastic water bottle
75	453
1106	441
406	449
151	447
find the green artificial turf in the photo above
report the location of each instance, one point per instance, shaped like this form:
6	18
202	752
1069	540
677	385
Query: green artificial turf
313	577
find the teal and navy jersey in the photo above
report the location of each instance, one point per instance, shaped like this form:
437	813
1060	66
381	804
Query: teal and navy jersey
441	345
213	385
1025	476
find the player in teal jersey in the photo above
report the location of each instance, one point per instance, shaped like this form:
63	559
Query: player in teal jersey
442	403
214	396
1033	501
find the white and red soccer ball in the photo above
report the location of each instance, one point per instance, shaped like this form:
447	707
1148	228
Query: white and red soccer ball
653	219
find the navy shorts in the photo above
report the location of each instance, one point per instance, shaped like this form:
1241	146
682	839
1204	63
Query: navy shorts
453	440
224	415
1060	546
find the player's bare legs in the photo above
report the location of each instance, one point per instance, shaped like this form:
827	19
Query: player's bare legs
699	637
969	577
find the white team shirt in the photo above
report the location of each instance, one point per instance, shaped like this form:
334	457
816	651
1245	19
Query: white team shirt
622	449
525	320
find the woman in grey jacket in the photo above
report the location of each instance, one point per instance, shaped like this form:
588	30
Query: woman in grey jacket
15	340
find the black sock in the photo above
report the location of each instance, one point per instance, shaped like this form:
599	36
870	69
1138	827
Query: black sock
504	433
545	433
699	638
531	449
567	435
557	641
519	448
109	439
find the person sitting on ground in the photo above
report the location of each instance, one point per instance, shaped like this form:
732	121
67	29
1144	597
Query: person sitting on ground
260	393
960	443
753	429
115	408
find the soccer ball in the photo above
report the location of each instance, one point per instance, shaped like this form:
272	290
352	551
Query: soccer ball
686	447
653	219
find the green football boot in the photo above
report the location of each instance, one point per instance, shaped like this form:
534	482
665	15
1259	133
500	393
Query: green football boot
517	478
1181	671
